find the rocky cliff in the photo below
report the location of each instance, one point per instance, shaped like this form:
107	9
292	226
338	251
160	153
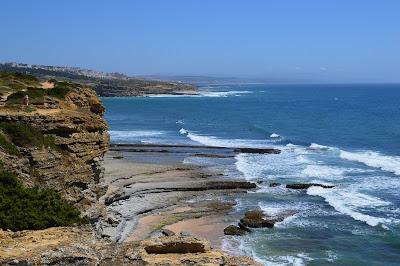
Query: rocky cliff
56	141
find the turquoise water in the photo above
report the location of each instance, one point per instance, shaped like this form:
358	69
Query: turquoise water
346	135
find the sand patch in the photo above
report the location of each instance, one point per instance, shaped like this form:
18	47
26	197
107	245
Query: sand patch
47	85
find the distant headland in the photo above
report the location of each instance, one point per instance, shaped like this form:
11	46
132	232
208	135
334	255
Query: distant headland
105	84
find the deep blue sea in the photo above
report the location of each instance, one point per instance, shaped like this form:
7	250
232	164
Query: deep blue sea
345	135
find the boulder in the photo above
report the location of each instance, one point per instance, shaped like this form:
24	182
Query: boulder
234	230
256	219
175	244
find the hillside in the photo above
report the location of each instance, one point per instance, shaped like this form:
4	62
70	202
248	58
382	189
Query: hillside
105	84
56	142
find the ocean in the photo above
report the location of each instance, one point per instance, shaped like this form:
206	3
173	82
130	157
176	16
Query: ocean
344	135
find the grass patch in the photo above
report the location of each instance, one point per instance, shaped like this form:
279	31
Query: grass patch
36	95
7	146
24	135
29	79
24	208
17	80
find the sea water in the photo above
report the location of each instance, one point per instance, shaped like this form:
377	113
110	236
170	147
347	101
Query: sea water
344	135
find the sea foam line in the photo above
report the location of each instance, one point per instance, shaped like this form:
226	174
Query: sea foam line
220	142
374	159
347	202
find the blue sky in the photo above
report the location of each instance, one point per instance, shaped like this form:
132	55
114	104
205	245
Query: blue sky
316	40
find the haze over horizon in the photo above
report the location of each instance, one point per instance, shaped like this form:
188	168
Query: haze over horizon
311	40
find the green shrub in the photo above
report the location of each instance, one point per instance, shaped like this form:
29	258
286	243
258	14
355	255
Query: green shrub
32	208
58	91
24	135
7	146
36	96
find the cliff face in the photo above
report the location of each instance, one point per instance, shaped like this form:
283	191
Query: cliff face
71	163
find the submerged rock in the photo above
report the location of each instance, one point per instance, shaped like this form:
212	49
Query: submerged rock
274	184
307	185
258	150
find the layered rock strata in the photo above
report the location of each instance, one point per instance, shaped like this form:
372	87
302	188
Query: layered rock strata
73	167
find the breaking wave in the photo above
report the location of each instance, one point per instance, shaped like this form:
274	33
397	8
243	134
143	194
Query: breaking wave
374	159
349	203
220	142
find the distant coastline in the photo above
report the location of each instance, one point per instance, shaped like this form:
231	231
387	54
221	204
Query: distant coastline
105	84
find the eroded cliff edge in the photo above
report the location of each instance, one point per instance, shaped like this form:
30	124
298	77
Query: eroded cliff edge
69	119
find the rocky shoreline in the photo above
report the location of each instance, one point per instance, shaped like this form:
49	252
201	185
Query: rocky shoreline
57	144
155	214
140	189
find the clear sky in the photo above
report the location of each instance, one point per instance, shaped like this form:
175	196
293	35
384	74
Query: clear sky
328	40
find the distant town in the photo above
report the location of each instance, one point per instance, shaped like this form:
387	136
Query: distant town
70	70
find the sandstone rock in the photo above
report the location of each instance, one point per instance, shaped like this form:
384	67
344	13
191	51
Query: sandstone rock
80	132
175	244
257	219
234	230
78	246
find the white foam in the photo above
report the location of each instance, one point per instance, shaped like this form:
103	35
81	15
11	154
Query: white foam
315	146
298	212
220	142
329	172
266	166
202	93
180	122
349	202
324	171
374	159
274	135
183	131
291	145
222	93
